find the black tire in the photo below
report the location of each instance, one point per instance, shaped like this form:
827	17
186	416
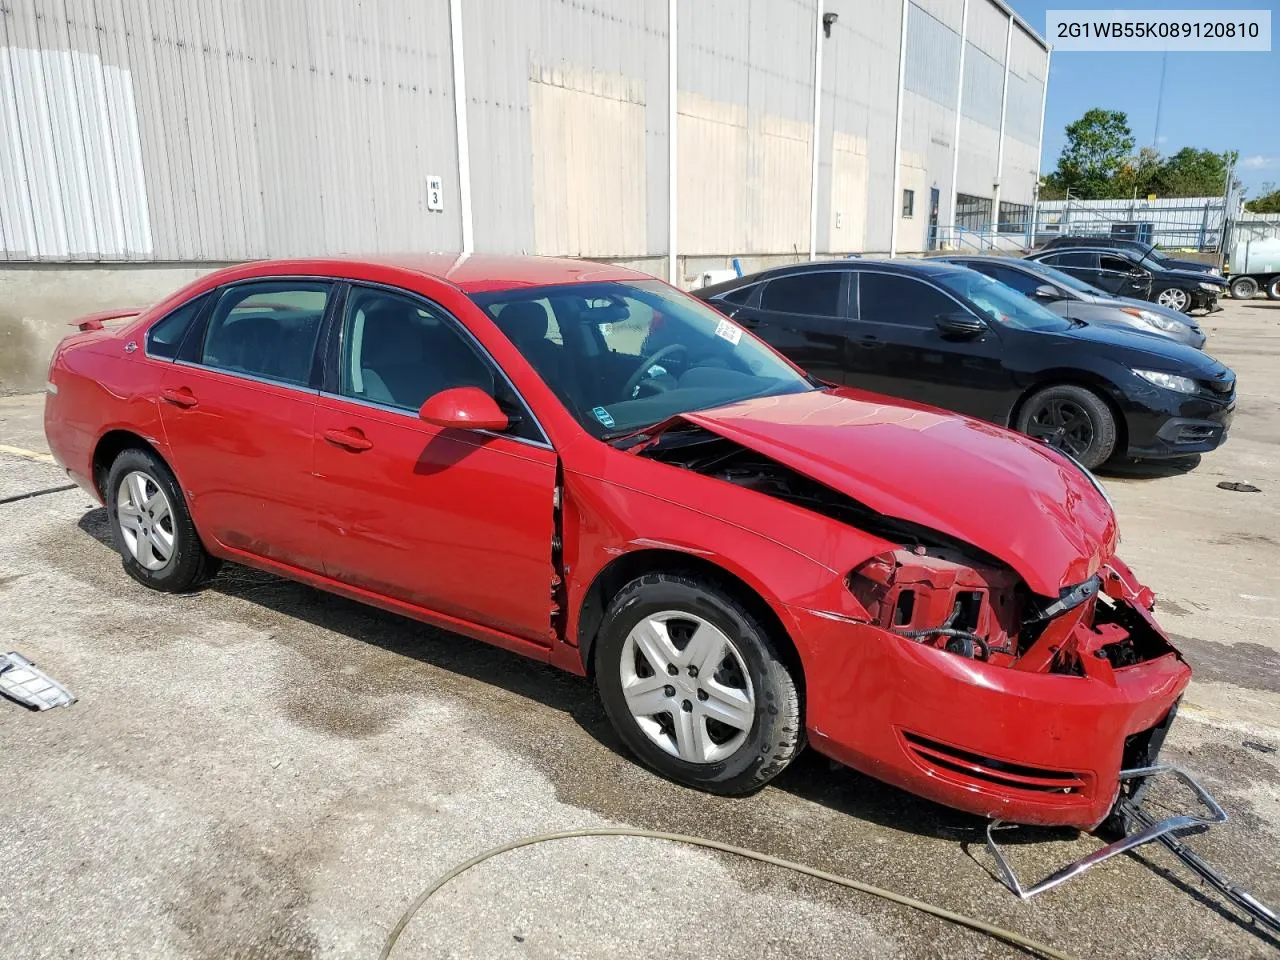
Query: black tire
189	564
1273	289
1187	300
777	728
1243	288
1102	434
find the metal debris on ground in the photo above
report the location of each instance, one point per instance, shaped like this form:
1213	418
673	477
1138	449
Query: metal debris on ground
1238	487
23	682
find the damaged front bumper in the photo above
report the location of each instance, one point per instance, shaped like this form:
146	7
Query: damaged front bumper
1035	733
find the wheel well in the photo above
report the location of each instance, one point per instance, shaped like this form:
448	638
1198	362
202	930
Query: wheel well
111	445
629	566
1095	387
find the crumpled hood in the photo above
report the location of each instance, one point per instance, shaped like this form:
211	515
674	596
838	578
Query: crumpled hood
997	490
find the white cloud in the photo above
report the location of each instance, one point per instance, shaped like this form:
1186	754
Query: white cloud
1258	162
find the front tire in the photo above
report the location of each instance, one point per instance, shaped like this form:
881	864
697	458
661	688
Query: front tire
1175	298
1072	419
1243	288
695	686
152	527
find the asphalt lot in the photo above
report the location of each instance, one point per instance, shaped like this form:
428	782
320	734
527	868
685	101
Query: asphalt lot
261	770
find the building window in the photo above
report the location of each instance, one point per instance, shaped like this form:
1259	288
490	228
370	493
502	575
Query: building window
973	212
908	203
1014	217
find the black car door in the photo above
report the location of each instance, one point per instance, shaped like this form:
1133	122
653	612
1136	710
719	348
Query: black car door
1083	265
897	348
1123	277
805	316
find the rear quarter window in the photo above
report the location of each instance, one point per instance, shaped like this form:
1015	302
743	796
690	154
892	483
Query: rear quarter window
165	336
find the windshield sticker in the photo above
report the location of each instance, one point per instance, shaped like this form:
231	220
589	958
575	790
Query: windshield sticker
728	331
603	416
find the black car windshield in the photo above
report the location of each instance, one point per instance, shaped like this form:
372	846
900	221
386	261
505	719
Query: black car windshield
1002	304
623	356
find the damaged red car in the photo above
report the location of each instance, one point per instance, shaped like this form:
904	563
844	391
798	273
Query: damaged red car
581	464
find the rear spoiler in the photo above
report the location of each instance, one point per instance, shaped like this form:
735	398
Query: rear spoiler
95	321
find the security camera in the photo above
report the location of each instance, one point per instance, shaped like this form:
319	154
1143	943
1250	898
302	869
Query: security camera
827	20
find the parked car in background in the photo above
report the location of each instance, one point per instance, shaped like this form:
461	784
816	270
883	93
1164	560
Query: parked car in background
1123	274
950	337
1148	253
742	560
1074	299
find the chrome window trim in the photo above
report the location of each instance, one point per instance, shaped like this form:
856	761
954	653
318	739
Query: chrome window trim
251	377
409	415
468	336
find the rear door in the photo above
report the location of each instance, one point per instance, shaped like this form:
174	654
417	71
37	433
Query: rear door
1123	277
805	316
899	350
456	521
237	408
1081	264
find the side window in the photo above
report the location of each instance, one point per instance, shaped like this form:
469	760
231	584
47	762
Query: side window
267	329
166	334
815	294
1024	283
1118	264
741	295
1086	261
884	298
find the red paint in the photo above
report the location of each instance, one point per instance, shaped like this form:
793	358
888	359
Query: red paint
455	527
463	408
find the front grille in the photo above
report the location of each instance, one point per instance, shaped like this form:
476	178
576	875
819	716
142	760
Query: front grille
985	771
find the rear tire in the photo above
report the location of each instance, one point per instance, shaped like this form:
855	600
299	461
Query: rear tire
1072	419
714	659
1273	289
1175	298
1244	288
152	526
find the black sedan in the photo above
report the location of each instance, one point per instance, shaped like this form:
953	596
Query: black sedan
1148	253
943	335
1123	274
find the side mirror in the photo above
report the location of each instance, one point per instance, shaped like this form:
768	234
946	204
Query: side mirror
463	408
1047	291
960	324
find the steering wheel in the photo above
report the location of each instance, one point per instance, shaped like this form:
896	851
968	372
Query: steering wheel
634	380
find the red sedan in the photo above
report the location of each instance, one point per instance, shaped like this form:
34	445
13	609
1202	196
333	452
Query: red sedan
583	465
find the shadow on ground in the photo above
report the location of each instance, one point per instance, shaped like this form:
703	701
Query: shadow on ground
1150	469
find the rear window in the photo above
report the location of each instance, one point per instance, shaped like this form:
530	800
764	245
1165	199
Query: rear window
814	294
166	335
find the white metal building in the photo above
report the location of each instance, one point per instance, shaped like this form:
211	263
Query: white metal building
188	132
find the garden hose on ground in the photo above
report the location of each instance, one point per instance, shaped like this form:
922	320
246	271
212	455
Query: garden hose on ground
990	929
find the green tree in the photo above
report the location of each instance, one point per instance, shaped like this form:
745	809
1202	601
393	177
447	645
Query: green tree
1268	202
1193	173
1098	145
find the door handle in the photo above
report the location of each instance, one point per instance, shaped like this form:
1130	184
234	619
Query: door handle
182	397
351	438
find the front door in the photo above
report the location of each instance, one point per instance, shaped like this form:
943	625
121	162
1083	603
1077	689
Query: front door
1123	277
898	350
804	316
237	415
458	522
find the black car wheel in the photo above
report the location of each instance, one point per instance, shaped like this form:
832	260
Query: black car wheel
153	531
1175	298
695	686
1243	288
1273	289
1073	419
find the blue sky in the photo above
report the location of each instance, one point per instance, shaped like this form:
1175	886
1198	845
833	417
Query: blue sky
1218	101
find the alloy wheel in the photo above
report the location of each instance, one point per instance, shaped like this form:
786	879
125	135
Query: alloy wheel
687	686
1173	298
1063	424
146	520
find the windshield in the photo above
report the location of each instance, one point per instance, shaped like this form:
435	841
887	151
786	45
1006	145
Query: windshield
622	356
1002	304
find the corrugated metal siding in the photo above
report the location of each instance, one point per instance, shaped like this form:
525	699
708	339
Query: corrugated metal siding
507	46
983	87
947	12
1027	60
165	130
933	58
988	28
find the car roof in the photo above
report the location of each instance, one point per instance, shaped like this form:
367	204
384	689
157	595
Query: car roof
472	273
926	267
